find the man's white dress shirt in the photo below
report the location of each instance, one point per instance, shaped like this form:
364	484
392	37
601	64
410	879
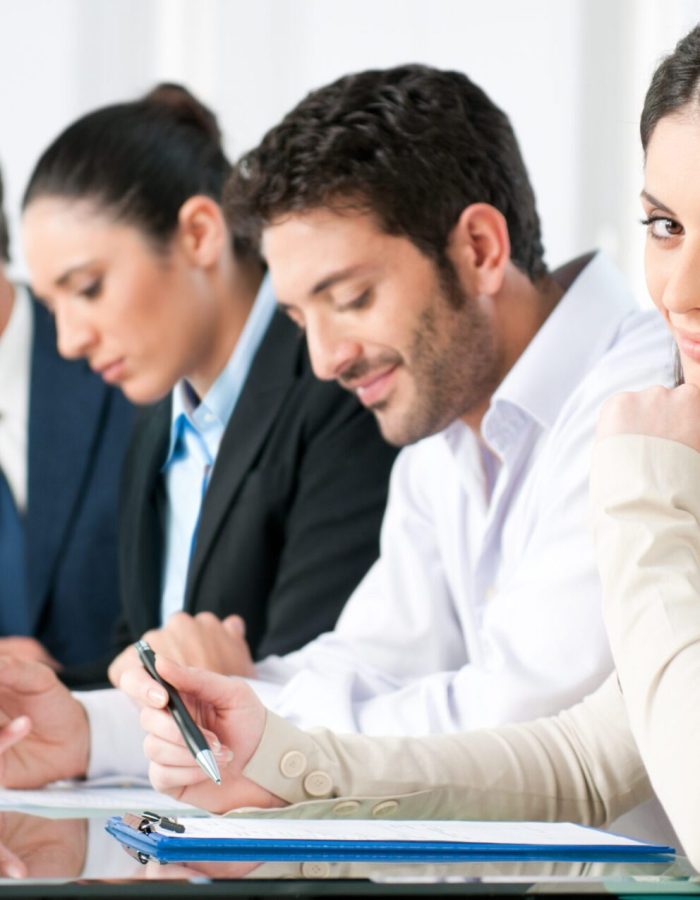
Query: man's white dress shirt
484	606
15	376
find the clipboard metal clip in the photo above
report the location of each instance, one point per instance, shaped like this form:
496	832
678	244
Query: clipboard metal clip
145	822
138	855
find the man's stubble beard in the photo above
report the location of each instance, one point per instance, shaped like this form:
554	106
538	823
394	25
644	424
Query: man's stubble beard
454	365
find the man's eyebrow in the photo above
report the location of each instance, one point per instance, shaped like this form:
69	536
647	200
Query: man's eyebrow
657	203
323	284
329	280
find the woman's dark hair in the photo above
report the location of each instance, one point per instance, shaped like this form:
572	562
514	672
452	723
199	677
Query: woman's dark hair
4	233
139	161
412	145
675	84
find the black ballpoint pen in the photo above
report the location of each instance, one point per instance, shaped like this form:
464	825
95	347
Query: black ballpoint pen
194	738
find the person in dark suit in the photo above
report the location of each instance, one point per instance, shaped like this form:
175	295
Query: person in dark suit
253	494
290	520
63	434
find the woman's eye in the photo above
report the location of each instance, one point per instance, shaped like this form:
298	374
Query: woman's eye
91	290
662	228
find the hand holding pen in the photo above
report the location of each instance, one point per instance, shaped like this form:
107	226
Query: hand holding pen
193	737
233	720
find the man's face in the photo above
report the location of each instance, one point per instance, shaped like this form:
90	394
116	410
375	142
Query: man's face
381	321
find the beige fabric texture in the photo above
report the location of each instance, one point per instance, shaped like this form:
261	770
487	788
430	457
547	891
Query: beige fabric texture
645	495
583	765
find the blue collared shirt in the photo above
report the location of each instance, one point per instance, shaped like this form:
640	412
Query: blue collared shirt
196	430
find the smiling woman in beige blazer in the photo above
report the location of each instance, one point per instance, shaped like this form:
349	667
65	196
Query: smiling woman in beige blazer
600	758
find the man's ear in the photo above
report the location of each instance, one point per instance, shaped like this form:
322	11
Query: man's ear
202	230
479	248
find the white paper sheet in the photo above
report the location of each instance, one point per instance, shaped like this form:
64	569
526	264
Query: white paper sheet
532	833
86	797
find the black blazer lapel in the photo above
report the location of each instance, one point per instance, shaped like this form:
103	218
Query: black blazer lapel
271	377
61	438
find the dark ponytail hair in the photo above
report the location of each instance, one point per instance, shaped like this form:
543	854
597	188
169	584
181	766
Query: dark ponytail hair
139	161
675	84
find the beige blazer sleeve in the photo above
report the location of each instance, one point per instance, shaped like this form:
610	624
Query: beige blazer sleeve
646	509
582	765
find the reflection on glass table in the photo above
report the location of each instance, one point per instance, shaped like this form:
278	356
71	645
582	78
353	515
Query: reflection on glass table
48	853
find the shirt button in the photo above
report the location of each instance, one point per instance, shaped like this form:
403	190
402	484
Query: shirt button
292	763
490	593
318	784
315	870
385	808
346	807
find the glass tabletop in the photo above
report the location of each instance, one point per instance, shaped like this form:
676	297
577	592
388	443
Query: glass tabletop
64	856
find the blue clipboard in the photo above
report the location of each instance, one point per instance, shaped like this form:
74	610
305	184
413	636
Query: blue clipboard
149	836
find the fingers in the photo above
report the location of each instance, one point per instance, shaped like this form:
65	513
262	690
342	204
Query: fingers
160	724
207	687
14	731
11	865
658	412
235	626
26	676
174	779
127	659
27	648
166	753
138	684
160	640
172	767
201	641
180	640
163	753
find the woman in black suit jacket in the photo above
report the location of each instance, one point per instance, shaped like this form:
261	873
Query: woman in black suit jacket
127	246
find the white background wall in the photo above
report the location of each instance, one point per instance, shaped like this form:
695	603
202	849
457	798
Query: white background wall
570	73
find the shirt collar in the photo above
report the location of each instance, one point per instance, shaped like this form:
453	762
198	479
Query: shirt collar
217	406
576	334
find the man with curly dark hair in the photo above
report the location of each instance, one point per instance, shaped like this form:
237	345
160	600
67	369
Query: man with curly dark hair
401	234
395	213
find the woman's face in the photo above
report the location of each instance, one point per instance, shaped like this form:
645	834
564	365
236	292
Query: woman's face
671	201
141	317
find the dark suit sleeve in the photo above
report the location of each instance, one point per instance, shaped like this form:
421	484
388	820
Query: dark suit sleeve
93	675
332	528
